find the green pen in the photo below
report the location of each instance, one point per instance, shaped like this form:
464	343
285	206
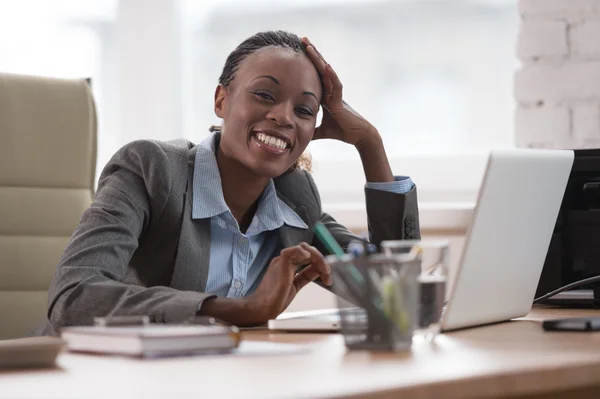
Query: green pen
332	246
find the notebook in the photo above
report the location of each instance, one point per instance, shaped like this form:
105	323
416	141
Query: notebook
151	340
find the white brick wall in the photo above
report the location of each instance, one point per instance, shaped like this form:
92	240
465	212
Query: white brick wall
557	88
585	39
543	38
542	124
586	124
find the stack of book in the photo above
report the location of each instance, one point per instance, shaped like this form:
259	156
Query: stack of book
151	340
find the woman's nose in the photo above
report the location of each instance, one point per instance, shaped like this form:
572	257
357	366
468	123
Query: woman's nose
282	114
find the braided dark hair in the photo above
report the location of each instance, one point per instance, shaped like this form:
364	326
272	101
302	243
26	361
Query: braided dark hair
278	38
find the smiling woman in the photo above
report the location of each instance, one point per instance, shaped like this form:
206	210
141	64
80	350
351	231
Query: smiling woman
268	98
224	228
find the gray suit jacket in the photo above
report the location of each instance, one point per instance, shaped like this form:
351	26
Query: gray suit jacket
137	249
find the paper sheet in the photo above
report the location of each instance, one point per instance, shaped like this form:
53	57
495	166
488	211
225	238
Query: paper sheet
245	348
265	348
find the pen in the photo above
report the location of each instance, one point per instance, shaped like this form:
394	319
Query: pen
332	246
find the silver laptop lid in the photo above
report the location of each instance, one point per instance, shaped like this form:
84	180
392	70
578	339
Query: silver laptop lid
504	253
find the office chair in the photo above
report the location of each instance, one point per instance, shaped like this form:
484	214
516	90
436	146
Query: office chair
47	170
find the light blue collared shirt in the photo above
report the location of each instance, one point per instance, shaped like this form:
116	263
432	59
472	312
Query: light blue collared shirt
238	260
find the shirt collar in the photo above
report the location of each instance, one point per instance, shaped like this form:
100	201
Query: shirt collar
208	200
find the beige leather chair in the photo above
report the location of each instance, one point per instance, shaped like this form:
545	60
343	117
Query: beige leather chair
47	168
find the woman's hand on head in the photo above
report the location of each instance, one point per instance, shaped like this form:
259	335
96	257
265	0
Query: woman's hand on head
340	121
281	283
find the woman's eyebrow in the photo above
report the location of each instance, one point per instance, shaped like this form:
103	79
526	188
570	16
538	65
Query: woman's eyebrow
304	93
310	93
268	77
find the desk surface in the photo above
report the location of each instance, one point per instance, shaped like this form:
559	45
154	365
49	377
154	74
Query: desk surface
509	359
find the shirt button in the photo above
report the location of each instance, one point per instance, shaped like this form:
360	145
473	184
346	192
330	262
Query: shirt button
237	284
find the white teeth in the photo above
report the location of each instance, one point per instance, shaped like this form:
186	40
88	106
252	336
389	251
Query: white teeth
271	141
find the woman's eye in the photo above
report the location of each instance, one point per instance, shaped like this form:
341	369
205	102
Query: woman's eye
305	111
265	96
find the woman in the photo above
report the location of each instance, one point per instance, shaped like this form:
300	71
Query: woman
221	228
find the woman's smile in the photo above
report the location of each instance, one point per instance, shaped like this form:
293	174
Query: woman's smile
270	141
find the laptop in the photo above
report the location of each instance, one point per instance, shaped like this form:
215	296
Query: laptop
506	244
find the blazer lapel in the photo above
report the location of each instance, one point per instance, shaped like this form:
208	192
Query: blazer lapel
289	235
193	254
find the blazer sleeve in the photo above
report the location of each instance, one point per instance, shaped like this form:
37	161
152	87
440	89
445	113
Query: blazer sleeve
133	190
390	216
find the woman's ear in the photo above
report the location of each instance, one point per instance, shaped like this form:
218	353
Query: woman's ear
220	96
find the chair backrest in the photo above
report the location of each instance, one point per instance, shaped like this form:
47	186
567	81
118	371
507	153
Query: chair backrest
47	169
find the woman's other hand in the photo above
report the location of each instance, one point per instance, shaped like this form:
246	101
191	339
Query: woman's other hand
340	121
277	289
281	283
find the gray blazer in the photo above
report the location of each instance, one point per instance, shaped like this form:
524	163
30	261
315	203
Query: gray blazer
137	249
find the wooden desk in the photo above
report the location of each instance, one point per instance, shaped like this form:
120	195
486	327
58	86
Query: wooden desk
514	359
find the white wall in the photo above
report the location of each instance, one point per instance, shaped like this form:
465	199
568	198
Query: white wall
558	86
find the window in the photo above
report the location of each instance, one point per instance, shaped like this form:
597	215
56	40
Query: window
434	76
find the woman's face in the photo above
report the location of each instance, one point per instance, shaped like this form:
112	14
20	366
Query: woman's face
269	110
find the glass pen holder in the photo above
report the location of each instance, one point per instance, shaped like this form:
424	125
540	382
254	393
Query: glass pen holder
384	294
433	258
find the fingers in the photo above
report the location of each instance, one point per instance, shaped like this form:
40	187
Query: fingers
309	43
319	62
305	276
315	56
322	69
317	268
336	95
296	256
318	260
